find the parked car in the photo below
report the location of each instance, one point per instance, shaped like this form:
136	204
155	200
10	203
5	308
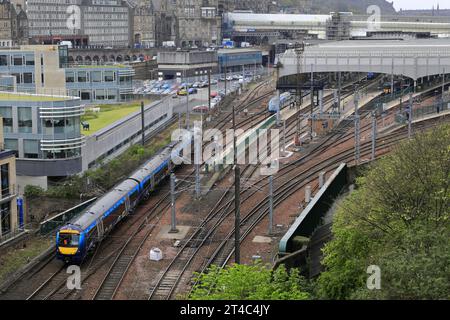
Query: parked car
201	108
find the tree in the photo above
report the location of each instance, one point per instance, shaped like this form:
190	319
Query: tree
249	282
397	219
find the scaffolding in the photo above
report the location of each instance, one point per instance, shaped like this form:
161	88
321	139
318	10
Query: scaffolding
338	26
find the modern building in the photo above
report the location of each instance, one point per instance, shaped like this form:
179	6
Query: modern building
236	60
13	24
100	22
9	220
44	133
100	84
45	70
182	64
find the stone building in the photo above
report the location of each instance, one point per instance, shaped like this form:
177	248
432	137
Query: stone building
186	23
93	22
13	24
257	6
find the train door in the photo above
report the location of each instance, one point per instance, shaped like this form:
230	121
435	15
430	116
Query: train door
128	207
100	229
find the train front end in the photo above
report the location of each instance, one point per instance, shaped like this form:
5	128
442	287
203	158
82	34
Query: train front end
70	244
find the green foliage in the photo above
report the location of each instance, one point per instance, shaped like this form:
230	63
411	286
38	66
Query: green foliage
249	282
33	191
399	220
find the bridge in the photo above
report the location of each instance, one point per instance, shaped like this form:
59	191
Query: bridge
414	59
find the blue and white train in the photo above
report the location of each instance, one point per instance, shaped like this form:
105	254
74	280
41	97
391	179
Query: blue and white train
75	240
283	101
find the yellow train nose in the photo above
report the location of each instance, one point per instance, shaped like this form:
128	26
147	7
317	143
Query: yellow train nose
68	251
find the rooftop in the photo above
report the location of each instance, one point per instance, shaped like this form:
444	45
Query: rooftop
20	96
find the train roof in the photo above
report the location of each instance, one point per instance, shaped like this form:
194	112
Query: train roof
95	211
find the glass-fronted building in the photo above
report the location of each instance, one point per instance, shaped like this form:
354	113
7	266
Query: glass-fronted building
44	133
100	84
45	70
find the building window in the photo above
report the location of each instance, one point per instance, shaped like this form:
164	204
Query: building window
85	95
18	60
31	149
29	60
70	77
58	126
6	113
12	144
100	94
28	77
17	75
109	76
25	120
5	215
82	76
96	76
4	168
112	94
3	60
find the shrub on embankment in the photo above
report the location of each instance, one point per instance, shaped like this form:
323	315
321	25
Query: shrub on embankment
399	220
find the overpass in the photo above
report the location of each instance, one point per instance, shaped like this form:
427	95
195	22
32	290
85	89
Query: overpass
414	59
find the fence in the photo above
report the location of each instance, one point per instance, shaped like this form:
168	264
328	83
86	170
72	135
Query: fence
51	224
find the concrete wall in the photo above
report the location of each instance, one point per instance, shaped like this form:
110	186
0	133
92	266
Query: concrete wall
112	140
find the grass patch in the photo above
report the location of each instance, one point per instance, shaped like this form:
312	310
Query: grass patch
109	113
14	259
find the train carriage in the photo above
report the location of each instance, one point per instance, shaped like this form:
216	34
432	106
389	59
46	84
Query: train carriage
76	239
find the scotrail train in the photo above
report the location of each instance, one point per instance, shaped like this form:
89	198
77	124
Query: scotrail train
284	100
75	240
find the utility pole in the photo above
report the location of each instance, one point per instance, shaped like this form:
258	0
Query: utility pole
187	101
374	134
339	93
209	89
270	205
392	78
312	101
237	199
225	76
299	51
143	123
173	228
410	113
197	156
357	129
443	90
